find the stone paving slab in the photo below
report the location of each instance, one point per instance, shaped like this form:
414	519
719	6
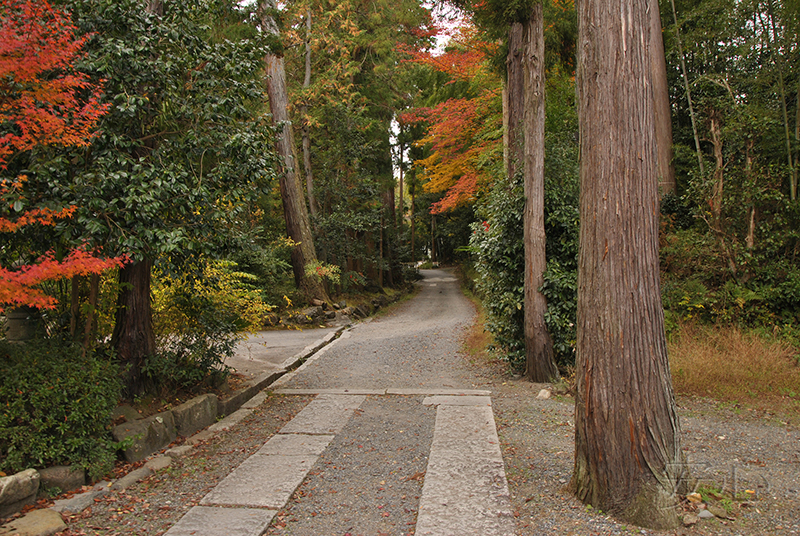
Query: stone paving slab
432	391
261	482
467	400
296	445
375	392
326	414
44	522
465	491
211	521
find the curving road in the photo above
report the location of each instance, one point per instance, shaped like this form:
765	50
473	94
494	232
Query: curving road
417	345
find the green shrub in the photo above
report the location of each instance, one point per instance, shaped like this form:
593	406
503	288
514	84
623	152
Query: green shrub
499	260
56	406
561	290
200	310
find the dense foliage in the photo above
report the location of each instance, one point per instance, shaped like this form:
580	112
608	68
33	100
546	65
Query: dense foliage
57	403
737	163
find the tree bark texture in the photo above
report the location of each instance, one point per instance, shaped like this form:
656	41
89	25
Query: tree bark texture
540	366
627	440
133	338
298	226
515	99
661	106
306	142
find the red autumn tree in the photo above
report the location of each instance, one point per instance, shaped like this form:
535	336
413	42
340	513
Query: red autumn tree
462	132
43	101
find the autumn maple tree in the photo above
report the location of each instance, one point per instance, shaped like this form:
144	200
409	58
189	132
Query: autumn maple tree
464	131
43	101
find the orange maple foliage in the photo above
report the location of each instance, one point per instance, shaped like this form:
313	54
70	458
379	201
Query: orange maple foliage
42	102
461	132
466	63
11	192
457	148
46	103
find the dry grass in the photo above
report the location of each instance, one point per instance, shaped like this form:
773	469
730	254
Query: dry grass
726	364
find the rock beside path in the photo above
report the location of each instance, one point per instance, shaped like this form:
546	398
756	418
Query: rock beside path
18	490
36	523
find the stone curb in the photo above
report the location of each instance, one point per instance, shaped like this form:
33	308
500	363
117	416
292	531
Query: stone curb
235	409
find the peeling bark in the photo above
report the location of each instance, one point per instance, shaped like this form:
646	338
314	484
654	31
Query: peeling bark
628	459
540	365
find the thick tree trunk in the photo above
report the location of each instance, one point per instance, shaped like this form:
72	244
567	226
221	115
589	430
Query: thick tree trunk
133	338
386	237
540	366
661	106
433	238
627	440
298	226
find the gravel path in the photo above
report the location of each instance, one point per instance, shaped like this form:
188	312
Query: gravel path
369	479
416	345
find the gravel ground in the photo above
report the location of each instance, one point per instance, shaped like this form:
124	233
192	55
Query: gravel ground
153	505
729	451
370	475
369	479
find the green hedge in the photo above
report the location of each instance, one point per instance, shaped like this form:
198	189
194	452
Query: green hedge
56	406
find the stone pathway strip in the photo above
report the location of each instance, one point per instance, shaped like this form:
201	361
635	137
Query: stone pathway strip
244	503
465	490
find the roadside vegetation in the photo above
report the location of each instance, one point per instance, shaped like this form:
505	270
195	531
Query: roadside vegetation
143	205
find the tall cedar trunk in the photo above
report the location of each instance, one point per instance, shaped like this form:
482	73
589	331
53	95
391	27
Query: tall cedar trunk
294	207
515	99
661	106
133	338
627	440
306	142
398	222
386	237
540	366
433	238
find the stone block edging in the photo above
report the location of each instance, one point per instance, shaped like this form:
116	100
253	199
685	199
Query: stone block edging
153	434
